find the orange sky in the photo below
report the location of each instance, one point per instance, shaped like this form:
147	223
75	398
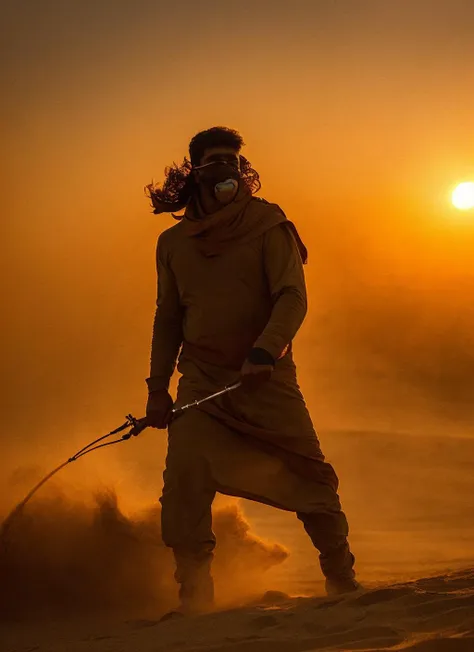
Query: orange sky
358	114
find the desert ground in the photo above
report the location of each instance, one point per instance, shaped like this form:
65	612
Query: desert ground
86	570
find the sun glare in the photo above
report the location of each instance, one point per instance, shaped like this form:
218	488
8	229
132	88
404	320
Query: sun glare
463	196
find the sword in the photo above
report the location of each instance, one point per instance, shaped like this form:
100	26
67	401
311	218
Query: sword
141	424
229	388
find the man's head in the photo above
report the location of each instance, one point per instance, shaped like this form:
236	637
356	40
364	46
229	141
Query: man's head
208	144
216	167
215	159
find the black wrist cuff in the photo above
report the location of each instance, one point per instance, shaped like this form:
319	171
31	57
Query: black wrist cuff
260	356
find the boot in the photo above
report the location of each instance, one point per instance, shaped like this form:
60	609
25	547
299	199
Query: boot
196	586
328	533
337	566
340	586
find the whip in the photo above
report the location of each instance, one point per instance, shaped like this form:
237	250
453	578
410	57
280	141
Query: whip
136	427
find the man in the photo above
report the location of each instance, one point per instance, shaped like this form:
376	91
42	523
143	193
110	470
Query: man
231	298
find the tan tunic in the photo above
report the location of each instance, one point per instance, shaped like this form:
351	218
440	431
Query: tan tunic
217	308
221	306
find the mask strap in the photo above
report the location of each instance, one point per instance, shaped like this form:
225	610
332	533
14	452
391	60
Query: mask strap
206	165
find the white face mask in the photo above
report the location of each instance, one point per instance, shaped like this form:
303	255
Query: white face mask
225	191
222	179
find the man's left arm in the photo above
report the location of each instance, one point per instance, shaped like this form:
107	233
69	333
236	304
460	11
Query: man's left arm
285	277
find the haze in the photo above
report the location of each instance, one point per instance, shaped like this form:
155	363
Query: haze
358	117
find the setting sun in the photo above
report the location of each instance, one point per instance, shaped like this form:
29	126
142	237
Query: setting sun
463	196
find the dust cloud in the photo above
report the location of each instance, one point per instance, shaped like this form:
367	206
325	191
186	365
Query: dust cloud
68	554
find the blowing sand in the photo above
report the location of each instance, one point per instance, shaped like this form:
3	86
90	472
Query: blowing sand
80	572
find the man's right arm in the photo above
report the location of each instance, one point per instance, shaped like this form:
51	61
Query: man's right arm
167	326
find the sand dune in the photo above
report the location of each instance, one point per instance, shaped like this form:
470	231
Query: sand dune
429	615
80	574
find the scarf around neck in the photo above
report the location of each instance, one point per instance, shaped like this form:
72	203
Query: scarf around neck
239	222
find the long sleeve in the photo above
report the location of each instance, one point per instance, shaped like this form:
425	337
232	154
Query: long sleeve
285	275
167	326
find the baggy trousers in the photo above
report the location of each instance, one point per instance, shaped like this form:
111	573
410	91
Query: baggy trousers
205	457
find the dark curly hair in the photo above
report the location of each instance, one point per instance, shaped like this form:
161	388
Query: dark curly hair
214	137
180	185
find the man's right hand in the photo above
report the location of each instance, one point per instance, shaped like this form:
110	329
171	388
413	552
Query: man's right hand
158	408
